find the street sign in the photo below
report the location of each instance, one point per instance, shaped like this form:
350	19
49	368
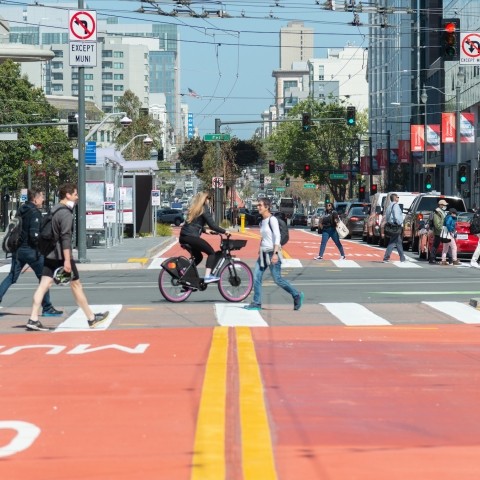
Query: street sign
91	153
309	185
280	189
267	180
83	54
82	25
217	182
338	176
216	137
279	168
470	48
429	165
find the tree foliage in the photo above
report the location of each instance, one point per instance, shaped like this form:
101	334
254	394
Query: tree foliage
21	103
142	124
326	147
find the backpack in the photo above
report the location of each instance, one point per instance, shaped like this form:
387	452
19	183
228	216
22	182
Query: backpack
284	237
13	236
475	224
46	236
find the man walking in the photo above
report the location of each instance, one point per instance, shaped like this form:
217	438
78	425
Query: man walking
61	256
438	219
394	215
27	253
270	255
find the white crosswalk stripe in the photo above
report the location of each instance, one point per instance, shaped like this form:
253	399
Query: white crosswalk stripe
346	264
354	314
459	311
234	315
78	322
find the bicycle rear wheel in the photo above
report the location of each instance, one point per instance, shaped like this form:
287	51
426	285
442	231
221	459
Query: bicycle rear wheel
171	289
236	281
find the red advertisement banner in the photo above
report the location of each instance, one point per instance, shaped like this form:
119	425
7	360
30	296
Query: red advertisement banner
365	165
448	127
467	127
404	151
416	138
433	138
382	159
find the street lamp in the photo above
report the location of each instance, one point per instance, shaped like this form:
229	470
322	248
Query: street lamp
460	80
148	141
424	99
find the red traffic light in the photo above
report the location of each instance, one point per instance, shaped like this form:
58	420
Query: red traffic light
271	166
373	190
306	170
450	27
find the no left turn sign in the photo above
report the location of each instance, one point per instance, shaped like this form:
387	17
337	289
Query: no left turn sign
83	25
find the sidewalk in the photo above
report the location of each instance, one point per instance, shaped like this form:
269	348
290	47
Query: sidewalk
130	254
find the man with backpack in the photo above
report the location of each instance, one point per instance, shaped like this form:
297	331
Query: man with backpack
27	253
60	259
270	256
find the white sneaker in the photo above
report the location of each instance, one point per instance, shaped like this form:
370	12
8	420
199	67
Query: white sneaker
474	265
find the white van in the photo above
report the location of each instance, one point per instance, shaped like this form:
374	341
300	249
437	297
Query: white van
405	199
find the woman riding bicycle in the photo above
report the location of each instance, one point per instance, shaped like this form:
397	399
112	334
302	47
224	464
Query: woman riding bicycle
198	217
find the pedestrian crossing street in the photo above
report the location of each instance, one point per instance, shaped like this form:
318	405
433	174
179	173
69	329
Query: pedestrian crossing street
290	263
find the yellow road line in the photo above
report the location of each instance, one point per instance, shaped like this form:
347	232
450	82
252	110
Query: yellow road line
209	451
137	260
257	453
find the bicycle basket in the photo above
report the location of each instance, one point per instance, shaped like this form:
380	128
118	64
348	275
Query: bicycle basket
233	244
175	265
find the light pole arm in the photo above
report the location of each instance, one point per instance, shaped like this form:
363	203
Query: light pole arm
143	135
95	129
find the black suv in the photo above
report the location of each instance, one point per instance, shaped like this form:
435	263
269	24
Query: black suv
420	210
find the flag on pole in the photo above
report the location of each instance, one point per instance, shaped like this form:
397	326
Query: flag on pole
193	93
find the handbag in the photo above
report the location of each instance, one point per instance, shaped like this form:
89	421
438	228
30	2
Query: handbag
392	229
342	229
445	235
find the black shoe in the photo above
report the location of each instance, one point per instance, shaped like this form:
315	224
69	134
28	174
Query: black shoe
52	312
36	325
98	319
298	301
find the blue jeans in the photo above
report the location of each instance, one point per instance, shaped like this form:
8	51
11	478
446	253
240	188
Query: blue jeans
330	232
23	256
395	241
276	271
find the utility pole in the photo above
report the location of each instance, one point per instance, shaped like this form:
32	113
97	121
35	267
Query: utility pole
218	191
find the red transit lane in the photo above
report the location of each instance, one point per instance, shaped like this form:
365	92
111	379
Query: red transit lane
270	403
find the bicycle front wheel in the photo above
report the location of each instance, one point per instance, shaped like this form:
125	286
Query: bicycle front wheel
236	281
171	289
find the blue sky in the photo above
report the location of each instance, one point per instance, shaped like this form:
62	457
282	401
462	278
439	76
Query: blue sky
229	61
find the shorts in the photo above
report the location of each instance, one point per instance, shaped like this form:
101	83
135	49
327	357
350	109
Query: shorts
50	265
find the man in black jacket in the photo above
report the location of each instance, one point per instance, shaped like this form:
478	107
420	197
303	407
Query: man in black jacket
27	253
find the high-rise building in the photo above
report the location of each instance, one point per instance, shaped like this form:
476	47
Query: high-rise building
296	44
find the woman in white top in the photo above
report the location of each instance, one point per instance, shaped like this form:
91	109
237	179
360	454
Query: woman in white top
270	255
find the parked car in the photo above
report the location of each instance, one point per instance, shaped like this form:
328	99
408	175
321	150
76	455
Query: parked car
340	207
170	215
298	220
405	201
423	205
319	213
355	220
351	205
466	241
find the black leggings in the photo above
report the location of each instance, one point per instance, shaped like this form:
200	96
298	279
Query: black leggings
199	245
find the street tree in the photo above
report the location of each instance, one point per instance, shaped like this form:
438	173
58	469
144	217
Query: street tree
142	124
327	145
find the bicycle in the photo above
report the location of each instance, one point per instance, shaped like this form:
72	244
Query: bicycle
179	277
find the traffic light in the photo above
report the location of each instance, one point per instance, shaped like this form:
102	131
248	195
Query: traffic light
373	190
306	122
351	116
177	167
361	192
271	166
72	126
287	182
160	155
262	178
462	174
451	39
428	183
306	170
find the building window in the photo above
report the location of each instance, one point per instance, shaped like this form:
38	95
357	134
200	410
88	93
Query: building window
107	75
89	88
58	53
106	65
57	87
118	88
56	65
89	76
118	65
107	54
107	87
107	98
57	76
118	54
118	76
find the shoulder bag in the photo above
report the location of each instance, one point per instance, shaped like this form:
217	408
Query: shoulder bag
445	235
392	229
342	229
